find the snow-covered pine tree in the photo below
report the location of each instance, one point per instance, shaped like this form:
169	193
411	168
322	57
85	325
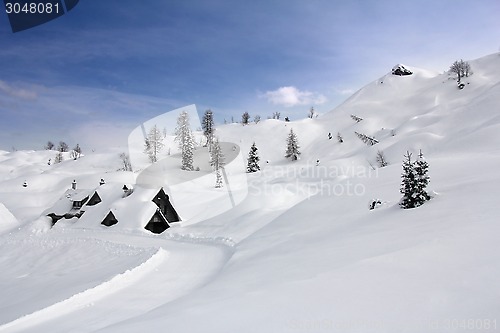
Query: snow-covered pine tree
381	160
356	118
59	157
422	180
366	139
153	144
407	183
253	159
76	153
217	162
184	137
414	182
125	159
207	124
292	149
311	113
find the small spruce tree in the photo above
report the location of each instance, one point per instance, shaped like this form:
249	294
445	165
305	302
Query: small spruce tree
76	153
381	160
217	162
292	149
366	139
253	159
311	113
59	157
422	180
356	118
407	182
185	140
207	124
153	144
414	181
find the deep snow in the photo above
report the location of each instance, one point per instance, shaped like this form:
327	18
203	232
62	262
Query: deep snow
292	248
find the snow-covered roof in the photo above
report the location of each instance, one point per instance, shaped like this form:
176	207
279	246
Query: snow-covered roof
132	212
109	192
77	195
65	202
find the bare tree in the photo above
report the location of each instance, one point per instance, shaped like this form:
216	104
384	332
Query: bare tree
63	147
244	118
461	69
127	166
49	146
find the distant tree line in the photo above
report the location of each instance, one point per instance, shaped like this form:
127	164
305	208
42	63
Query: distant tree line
61	148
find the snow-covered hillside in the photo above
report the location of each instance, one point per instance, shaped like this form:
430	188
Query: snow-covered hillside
292	248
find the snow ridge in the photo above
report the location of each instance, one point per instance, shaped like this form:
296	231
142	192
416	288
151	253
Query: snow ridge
88	297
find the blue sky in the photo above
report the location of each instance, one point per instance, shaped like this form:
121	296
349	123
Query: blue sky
107	66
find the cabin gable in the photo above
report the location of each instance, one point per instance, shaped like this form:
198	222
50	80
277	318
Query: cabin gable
94	200
162	201
158	223
109	220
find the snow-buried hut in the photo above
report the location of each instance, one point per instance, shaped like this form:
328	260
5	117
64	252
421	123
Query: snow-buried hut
145	208
111	204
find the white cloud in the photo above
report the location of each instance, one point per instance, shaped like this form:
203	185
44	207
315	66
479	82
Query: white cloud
291	96
17	92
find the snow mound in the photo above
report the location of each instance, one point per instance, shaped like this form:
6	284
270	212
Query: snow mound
7	220
87	297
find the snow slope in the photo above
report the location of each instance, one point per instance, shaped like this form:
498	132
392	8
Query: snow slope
301	252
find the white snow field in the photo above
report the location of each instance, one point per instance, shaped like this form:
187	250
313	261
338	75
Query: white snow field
297	249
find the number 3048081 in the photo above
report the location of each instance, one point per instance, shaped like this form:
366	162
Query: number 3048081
31	8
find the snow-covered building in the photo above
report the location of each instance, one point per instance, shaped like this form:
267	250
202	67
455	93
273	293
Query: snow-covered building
111	204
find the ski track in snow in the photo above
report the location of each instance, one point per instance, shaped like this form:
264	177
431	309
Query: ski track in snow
164	277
